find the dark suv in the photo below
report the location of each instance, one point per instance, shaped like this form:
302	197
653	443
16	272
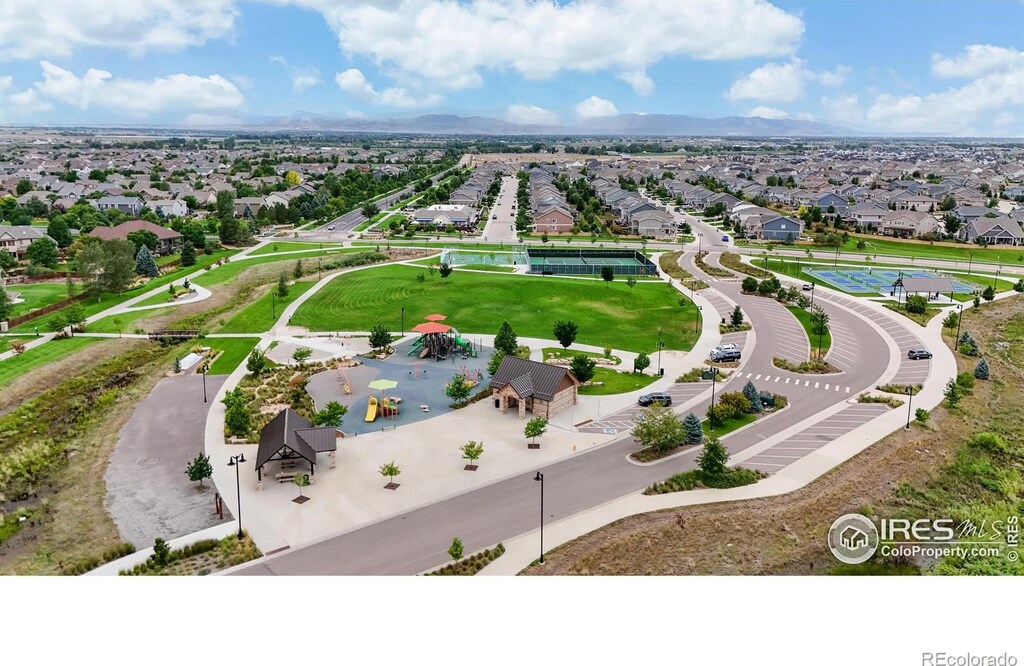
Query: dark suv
918	353
725	355
649	399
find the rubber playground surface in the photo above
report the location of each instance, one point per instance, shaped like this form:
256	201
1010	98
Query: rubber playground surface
875	281
420	382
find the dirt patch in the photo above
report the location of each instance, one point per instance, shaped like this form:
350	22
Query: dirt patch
787	535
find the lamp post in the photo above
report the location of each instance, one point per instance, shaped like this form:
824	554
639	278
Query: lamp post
959	317
273	305
236	462
711	414
995	280
204	382
696	320
821	331
403	322
835	264
812	293
660	345
540	477
700	240
970	256
319	268
910	401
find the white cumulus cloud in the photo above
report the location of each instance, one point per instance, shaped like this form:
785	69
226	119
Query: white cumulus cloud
353	82
975	60
596	107
302	77
57	28
782	82
639	81
528	114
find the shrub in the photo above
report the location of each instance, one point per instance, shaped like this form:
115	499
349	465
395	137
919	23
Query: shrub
713	458
749	285
981	370
989	441
965	380
921	415
989	293
917	304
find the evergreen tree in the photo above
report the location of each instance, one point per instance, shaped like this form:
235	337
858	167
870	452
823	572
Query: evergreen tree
188	254
582	367
144	264
751	393
981	370
5	305
58	231
694	433
736	318
282	286
297	273
236	419
505	341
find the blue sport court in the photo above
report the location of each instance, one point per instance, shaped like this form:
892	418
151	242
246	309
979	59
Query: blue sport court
872	281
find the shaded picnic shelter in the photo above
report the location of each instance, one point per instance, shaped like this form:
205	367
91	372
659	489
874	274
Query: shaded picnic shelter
290	437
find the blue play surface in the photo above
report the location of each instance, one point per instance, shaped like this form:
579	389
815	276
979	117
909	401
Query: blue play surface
871	281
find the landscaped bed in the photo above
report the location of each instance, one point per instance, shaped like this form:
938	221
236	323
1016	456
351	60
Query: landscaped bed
609	382
470	565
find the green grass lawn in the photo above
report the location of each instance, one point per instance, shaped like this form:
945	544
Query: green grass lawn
41	355
129	321
925	249
807	321
616	382
607	313
166	259
291	246
235	351
261	314
487	267
231	270
37	296
722	429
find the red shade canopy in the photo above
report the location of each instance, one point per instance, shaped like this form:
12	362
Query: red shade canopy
431	327
435	317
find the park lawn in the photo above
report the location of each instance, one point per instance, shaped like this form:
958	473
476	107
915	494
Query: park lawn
106	300
235	350
291	246
262	313
37	296
606	313
723	429
921	319
614	382
128	321
807	321
926	249
163	260
41	355
486	267
231	270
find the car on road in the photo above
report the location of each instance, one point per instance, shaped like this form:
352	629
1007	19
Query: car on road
649	399
725	239
918	353
494	217
725	355
807	286
330	228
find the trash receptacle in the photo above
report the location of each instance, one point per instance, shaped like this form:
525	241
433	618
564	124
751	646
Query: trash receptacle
767	399
661	372
705	374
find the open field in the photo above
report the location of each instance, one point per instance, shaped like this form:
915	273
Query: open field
607	313
263	312
927	471
37	296
292	246
614	382
235	350
41	355
231	270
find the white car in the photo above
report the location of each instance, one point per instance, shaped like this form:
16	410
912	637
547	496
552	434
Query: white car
330	228
726	347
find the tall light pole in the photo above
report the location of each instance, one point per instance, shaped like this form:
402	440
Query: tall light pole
403	322
660	345
959	317
236	462
812	293
319	268
700	240
273	305
821	331
910	401
204	382
970	256
711	414
696	320
540	477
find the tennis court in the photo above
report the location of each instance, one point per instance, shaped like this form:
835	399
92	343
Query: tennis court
463	258
870	281
589	262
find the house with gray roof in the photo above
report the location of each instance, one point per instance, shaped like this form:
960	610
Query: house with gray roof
16	239
541	388
998	230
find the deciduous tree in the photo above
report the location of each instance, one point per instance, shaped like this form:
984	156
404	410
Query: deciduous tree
199	468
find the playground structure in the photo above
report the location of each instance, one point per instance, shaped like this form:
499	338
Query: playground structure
346	385
381	408
439	341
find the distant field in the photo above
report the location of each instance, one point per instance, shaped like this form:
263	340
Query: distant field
231	270
262	313
607	313
235	351
291	246
41	355
37	296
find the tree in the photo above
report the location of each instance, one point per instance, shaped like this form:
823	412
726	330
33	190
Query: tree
331	415
291	179
733	405
144	237
989	293
236	418
7	260
301	355
455	550
917	304
58	230
714	458
445	270
5	305
225	205
1018	286
457	388
118	265
693	434
24	186
297	271
749	285
631	281
144	264
819	319
641	362
948	203
535	427
753	396
74	315
582	367
300	481
199	469
161	556
951	320
472	451
188	254
980	370
256	362
736	318
607	273
43	252
369	210
565	332
495	362
282	286
658	428
390	470
505	341
380	337
953	393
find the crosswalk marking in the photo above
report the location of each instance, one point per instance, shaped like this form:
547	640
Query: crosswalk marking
777	379
847	389
837	388
807	383
758	377
767	377
826	386
787	379
817	384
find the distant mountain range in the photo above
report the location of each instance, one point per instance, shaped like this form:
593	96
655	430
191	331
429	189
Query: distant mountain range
626	124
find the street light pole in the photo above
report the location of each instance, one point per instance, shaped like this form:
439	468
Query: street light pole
540	477
969	258
910	401
660	344
403	322
319	268
812	293
236	462
959	317
204	382
696	320
821	331
273	305
711	414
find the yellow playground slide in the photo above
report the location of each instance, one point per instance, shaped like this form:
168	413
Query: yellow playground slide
371	410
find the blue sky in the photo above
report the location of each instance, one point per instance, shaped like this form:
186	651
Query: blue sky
897	67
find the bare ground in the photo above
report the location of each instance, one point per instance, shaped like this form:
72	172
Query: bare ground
787	535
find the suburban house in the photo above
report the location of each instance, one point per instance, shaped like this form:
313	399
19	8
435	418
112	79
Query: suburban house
780	229
17	239
291	438
169	207
169	240
540	388
653	224
867	215
248	206
127	205
999	230
907	223
446	215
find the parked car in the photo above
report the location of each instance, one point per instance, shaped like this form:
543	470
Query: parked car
726	347
494	217
330	228
649	399
725	356
725	239
916	354
807	286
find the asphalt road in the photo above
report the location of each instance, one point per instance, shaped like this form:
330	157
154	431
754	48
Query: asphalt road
417	540
503	227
